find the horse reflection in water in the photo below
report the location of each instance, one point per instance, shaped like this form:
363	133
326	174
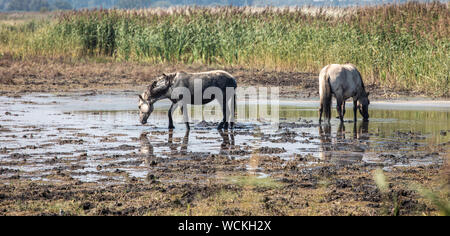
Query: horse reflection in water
174	146
181	149
146	149
227	147
342	150
151	160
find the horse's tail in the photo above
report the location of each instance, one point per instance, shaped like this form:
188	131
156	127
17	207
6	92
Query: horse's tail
327	98
325	95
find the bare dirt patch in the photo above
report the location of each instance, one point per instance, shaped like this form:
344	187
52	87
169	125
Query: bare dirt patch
52	75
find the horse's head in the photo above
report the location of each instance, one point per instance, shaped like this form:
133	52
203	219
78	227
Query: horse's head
145	108
153	93
363	106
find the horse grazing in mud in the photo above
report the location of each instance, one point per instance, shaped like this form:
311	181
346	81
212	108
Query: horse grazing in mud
190	88
344	81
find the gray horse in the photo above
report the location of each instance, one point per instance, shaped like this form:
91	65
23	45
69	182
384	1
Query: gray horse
344	81
190	88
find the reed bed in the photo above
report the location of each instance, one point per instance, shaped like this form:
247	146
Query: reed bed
404	46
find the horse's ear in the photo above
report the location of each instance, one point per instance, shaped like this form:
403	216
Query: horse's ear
164	74
367	94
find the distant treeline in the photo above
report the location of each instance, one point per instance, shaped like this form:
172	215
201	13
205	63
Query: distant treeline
35	5
42	5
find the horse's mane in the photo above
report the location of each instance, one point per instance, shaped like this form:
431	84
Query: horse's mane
160	85
362	82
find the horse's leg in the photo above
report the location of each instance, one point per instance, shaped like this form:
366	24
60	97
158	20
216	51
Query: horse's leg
225	112
343	108
320	111
171	109
233	118
185	115
327	100
339	101
355	109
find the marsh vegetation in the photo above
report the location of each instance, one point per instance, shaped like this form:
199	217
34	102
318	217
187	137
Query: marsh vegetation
401	47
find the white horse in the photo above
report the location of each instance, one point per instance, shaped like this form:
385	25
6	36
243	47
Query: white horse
344	81
166	86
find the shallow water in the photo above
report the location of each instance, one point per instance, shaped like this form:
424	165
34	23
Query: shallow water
91	136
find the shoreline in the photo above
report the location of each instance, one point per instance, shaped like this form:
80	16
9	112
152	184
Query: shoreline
309	102
18	77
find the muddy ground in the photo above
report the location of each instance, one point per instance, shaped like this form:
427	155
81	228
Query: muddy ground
325	190
52	75
169	179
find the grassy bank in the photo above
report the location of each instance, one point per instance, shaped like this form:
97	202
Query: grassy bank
395	46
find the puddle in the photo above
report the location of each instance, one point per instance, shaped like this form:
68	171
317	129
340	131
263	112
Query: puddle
98	138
